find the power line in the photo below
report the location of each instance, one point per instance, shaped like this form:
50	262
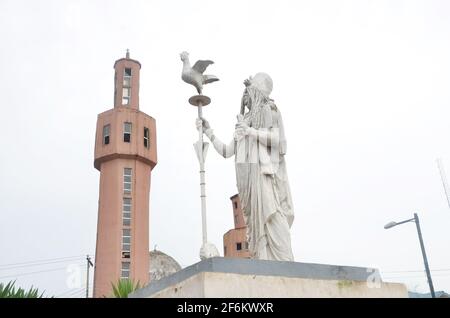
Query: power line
36	272
67	292
417	276
40	264
44	260
70	291
75	293
417	271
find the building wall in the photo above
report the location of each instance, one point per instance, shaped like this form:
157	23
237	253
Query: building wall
119	67
237	212
110	224
230	285
116	118
236	235
140	224
230	241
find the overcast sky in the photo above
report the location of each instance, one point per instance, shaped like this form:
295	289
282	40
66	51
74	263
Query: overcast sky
363	87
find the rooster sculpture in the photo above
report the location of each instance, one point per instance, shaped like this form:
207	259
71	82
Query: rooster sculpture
194	75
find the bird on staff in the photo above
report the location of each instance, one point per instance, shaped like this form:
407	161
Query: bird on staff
194	75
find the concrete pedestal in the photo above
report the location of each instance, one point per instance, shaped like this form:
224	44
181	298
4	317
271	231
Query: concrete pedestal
246	278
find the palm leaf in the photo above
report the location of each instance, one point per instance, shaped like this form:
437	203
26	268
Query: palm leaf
9	291
124	287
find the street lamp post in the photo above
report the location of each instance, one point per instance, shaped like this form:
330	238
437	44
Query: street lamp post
419	232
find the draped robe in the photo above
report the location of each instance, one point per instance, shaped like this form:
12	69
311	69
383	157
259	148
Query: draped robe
262	184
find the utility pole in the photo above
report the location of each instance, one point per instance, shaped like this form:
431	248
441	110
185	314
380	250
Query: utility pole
88	264
424	255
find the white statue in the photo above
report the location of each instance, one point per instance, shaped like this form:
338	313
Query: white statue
259	146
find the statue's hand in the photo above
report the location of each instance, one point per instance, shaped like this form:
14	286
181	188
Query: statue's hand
242	125
239	133
199	122
242	130
206	124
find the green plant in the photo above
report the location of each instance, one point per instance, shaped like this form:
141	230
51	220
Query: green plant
10	291
124	287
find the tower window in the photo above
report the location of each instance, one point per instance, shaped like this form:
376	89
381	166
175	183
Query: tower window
126	212
106	131
125	272
224	251
126	132
235	204
126	92
238	246
127	77
146	137
127	174
126	240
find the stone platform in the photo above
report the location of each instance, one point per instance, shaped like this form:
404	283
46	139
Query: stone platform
245	278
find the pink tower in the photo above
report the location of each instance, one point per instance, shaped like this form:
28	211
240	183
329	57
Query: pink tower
235	240
125	154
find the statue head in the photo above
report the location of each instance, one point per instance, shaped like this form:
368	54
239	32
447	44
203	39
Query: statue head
184	55
262	82
257	91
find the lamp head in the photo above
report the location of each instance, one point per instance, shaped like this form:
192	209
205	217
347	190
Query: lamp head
390	224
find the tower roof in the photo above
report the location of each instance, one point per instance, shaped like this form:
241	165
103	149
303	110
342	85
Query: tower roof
127	58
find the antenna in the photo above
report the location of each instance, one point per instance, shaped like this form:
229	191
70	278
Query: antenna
444	180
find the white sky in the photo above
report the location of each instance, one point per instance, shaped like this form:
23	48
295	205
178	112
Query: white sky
363	87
